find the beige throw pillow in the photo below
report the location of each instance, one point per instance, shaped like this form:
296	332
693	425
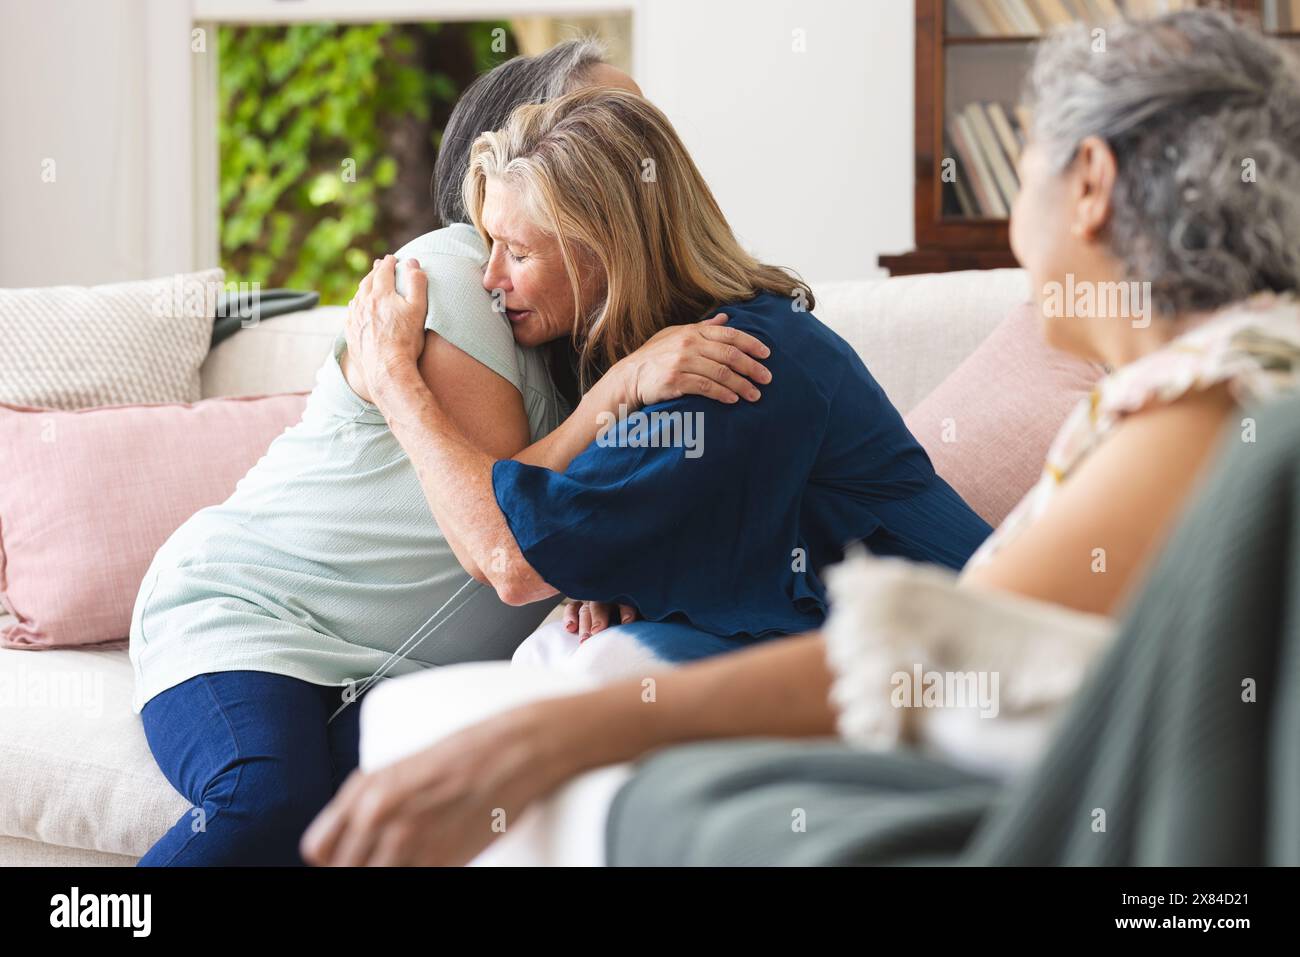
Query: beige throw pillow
75	347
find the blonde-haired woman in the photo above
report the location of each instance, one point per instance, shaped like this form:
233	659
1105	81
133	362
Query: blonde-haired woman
712	520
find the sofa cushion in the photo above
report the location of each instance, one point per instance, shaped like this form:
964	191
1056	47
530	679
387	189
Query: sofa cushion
913	331
76	767
988	426
96	492
72	347
274	355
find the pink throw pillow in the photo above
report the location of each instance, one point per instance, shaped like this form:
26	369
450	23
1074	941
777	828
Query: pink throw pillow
987	427
88	497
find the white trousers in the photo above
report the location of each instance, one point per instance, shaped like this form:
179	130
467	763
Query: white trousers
404	715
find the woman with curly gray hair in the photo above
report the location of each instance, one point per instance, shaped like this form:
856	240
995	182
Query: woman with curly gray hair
1159	221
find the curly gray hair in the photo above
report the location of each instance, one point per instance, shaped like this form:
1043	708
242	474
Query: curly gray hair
1188	103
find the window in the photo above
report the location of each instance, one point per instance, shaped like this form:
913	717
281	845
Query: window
323	134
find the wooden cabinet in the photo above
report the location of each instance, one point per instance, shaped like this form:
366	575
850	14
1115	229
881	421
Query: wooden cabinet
972	57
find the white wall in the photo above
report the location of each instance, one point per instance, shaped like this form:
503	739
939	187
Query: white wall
809	153
95	156
71	91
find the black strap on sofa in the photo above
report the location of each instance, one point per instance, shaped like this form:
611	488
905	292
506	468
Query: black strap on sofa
235	311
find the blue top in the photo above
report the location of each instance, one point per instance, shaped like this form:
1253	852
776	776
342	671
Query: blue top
723	516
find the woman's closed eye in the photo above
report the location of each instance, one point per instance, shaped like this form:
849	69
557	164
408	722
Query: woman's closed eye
514	256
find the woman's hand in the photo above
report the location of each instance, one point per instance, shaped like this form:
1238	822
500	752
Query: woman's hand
446	803
585	618
385	330
702	358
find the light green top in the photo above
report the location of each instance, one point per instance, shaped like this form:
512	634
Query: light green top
325	559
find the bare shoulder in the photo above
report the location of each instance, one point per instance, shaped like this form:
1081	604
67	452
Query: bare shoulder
1164	437
1201	410
1154	453
484	404
1116	508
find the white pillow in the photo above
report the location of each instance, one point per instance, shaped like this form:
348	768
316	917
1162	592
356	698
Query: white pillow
981	676
75	347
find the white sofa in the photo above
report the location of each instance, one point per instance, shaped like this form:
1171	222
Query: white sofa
78	785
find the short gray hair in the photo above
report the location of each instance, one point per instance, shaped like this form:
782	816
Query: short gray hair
1187	102
489	101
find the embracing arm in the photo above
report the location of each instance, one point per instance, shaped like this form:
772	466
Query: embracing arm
703	358
483	404
385	335
480	402
456	476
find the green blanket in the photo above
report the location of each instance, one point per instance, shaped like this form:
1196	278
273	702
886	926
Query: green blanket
1183	748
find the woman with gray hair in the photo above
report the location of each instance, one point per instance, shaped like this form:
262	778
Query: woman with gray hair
1159	222
263	621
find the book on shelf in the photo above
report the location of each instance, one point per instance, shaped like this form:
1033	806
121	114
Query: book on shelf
1282	16
1054	13
965	201
1000	18
1104	11
1023	22
974	169
985	139
1004	176
1006	132
1022	122
1029	18
976	20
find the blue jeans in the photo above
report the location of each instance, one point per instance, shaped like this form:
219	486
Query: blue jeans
254	754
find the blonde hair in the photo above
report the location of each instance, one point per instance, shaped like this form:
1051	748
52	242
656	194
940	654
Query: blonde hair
605	172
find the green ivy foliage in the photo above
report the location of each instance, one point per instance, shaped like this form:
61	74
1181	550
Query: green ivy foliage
303	146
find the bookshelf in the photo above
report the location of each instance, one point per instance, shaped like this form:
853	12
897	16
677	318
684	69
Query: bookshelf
971	60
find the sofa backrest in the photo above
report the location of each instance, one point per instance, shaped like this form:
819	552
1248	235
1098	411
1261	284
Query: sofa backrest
276	355
911	331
